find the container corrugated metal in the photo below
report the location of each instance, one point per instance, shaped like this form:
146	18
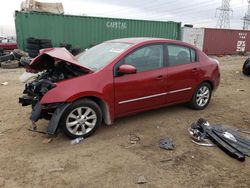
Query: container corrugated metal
194	36
226	41
84	31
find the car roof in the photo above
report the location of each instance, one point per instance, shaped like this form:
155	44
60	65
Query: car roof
136	40
147	40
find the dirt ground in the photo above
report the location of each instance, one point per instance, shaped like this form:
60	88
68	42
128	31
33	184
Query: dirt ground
104	160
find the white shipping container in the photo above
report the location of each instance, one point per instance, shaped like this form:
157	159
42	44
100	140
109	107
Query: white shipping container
193	36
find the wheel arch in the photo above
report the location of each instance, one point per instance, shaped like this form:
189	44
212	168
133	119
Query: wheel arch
103	106
209	82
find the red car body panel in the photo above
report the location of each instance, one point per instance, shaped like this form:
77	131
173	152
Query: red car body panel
128	94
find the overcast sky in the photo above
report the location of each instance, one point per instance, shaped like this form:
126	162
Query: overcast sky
200	13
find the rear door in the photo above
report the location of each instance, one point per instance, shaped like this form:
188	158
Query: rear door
146	88
183	73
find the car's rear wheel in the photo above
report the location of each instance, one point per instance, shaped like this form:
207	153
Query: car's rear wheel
81	119
201	96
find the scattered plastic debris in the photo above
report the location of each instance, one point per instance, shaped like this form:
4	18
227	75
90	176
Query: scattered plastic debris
77	140
56	169
166	160
141	180
134	139
5	83
166	143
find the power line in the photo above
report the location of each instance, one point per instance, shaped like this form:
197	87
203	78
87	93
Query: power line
224	17
246	18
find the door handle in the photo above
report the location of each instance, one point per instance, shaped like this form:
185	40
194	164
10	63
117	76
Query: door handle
161	77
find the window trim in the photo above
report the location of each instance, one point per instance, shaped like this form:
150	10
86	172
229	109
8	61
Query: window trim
184	46
119	63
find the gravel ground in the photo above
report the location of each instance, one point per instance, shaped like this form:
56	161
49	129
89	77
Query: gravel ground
106	159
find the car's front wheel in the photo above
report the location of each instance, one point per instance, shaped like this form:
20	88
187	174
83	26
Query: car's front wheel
81	119
201	96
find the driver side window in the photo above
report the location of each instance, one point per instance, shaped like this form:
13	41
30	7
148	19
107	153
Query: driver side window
146	58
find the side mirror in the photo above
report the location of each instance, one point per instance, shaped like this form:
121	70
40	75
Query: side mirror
127	69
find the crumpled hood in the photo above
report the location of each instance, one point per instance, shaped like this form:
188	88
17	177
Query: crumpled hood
48	56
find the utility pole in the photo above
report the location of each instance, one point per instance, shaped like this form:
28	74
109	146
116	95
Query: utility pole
224	15
246	18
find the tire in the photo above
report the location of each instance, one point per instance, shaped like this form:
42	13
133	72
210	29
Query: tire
45	41
25	61
31	46
10	64
67	46
71	115
19	53
76	51
246	67
42	46
32	53
32	40
6	57
200	103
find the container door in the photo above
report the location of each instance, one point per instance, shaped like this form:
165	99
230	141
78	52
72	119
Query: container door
146	88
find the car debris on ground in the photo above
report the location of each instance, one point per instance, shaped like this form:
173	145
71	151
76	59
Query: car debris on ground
166	143
229	140
141	180
133	138
56	169
77	140
4	83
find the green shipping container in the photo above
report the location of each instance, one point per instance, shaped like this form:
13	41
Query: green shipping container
85	31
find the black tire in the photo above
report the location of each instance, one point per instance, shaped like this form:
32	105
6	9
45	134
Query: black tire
76	51
19	53
10	64
42	46
67	46
32	53
194	102
31	46
45	41
6	57
25	61
85	103
32	40
246	67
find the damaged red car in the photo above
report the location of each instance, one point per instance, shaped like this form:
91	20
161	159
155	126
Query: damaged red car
114	79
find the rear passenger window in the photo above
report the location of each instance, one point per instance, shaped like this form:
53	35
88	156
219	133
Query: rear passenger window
179	55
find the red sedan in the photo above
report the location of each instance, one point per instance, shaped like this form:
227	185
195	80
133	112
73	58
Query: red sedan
117	78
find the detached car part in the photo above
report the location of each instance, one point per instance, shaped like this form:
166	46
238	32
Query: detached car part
227	139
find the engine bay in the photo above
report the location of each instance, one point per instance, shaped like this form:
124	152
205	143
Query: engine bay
46	80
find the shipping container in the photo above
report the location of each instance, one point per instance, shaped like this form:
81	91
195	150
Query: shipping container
194	36
85	31
226	41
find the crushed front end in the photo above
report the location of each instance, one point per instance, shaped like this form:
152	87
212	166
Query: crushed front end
47	71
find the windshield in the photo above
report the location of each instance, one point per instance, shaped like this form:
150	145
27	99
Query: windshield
99	56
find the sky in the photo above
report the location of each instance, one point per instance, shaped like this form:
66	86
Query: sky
200	13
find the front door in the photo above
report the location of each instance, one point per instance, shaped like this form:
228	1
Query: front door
146	88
